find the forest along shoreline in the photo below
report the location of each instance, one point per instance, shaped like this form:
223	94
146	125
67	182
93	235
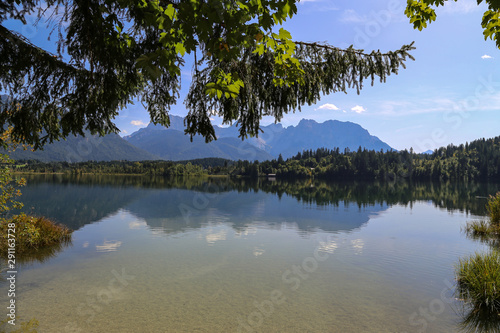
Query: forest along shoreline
475	161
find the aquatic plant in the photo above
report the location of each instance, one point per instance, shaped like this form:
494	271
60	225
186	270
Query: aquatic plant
487	231
482	229
478	280
32	234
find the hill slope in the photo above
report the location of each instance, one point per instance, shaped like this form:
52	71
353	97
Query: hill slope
172	144
89	148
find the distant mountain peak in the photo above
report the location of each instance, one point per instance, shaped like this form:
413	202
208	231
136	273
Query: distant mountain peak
307	122
308	134
275	126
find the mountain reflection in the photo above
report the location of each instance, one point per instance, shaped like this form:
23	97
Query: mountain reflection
177	210
176	205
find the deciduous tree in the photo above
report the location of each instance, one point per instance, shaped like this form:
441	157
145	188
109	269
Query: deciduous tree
422	12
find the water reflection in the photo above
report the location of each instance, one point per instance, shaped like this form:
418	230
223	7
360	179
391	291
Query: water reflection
176	205
108	246
39	256
215	247
75	204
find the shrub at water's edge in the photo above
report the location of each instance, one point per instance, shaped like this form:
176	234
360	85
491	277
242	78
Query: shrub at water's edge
32	234
22	237
478	279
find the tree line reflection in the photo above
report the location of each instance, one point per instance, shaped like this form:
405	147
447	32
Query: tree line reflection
76	201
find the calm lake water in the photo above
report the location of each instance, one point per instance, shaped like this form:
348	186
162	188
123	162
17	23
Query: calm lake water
156	255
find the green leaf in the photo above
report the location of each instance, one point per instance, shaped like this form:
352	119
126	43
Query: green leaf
287	10
179	48
242	5
284	34
160	21
142	60
259	49
170	12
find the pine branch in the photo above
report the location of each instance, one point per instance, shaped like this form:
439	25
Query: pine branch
7	36
325	46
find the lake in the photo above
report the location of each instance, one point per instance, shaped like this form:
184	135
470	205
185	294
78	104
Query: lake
215	255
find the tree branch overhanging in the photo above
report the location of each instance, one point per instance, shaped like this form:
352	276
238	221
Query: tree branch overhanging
136	50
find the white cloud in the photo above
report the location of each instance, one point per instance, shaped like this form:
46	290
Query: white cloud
108	246
138	123
136	224
329	247
258	252
358	109
213	237
358	245
407	129
314	6
351	16
416	107
461	7
457	105
328	106
486	57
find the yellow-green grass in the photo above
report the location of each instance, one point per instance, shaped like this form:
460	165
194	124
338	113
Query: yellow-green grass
482	228
32	235
478	280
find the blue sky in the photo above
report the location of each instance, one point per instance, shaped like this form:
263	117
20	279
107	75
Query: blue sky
449	94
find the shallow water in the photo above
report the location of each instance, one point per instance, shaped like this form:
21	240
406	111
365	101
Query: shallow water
215	258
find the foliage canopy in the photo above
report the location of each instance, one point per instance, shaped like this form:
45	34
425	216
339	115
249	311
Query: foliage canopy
111	52
422	12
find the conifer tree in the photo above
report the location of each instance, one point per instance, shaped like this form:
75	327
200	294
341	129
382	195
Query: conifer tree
111	52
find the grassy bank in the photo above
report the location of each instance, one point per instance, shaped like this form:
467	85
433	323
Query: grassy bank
31	235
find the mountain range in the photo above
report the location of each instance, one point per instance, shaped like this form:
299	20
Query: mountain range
155	142
89	148
309	134
171	143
